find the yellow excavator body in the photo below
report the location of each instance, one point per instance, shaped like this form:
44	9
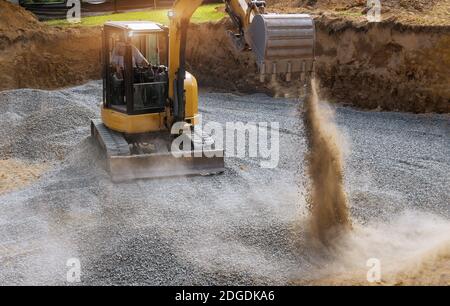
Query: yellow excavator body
149	99
151	122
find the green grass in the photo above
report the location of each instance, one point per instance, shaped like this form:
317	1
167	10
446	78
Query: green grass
203	14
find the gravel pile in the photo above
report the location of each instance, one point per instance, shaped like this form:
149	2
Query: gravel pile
45	125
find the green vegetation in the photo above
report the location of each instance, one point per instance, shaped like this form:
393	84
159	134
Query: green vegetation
204	13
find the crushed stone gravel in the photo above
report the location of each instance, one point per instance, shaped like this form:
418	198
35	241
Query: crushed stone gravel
246	226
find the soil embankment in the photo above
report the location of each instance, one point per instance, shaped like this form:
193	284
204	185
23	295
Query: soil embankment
33	55
385	66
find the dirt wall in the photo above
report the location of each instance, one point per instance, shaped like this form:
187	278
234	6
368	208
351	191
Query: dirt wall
377	66
57	59
37	56
386	66
215	63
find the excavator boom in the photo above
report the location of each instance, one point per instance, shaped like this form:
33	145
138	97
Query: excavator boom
281	43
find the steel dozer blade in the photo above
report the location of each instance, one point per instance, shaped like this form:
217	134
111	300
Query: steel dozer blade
149	156
283	43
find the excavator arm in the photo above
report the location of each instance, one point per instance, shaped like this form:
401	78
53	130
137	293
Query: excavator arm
281	43
242	13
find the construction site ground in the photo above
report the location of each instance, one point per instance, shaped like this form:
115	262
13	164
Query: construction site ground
249	225
246	226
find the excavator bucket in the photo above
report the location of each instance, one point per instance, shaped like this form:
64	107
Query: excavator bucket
149	156
283	43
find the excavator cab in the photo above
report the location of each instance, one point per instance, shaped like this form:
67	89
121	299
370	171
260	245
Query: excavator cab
135	74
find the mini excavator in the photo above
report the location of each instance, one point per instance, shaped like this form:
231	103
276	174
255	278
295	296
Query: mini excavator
147	90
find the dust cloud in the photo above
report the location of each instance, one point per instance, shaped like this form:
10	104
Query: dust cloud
327	197
412	248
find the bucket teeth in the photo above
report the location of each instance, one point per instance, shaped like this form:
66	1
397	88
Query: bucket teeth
274	72
289	72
